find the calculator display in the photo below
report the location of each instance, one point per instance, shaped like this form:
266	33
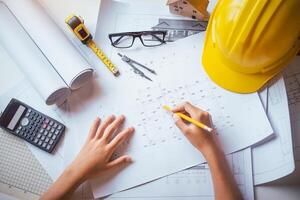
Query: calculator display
12	116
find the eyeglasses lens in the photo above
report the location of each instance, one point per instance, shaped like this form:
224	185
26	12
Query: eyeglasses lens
124	41
153	39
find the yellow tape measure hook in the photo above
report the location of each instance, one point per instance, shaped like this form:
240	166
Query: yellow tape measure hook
77	26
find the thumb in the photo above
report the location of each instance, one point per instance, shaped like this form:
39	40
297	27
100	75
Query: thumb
180	124
118	162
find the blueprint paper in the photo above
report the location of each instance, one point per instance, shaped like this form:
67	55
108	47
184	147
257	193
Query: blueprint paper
22	49
274	159
165	140
263	95
69	66
195	182
292	80
87	10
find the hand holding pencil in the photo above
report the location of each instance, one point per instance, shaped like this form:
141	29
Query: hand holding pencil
194	123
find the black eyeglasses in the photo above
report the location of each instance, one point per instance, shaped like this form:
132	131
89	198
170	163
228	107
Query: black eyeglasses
147	38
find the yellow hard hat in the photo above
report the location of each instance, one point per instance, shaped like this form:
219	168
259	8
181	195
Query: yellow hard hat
250	41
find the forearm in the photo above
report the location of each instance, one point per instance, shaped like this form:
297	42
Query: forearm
65	186
224	184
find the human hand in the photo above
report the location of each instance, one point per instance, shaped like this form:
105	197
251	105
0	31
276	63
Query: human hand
95	156
200	138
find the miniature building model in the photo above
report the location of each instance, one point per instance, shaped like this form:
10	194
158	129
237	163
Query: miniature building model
178	29
196	9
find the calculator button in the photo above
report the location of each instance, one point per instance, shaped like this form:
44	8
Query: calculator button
54	137
40	143
47	139
35	140
27	114
50	135
55	125
59	127
48	128
46	133
46	121
24	122
20	127
56	132
29	110
39	136
44	145
41	130
51	142
44	126
48	147
52	130
31	138
43	137
51	123
17	131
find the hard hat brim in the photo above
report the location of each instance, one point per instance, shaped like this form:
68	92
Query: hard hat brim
229	79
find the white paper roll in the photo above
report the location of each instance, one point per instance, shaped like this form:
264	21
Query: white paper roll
30	59
61	53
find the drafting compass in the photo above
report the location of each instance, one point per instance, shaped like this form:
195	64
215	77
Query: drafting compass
136	70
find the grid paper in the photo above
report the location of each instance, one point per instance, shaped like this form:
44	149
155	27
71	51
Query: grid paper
19	168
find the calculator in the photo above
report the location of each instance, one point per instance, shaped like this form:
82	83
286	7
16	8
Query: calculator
31	125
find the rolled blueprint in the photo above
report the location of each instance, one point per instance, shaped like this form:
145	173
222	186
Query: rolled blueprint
30	59
52	41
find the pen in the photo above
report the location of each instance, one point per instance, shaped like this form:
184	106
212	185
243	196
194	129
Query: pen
191	120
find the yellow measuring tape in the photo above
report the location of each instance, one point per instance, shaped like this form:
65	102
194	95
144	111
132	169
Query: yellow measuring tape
78	28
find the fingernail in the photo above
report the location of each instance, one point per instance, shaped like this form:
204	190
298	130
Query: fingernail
128	159
131	129
176	118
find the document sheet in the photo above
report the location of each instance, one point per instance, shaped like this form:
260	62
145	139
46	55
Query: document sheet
274	159
292	80
157	147
195	183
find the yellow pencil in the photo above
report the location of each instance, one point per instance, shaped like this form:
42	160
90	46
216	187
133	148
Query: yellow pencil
193	121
